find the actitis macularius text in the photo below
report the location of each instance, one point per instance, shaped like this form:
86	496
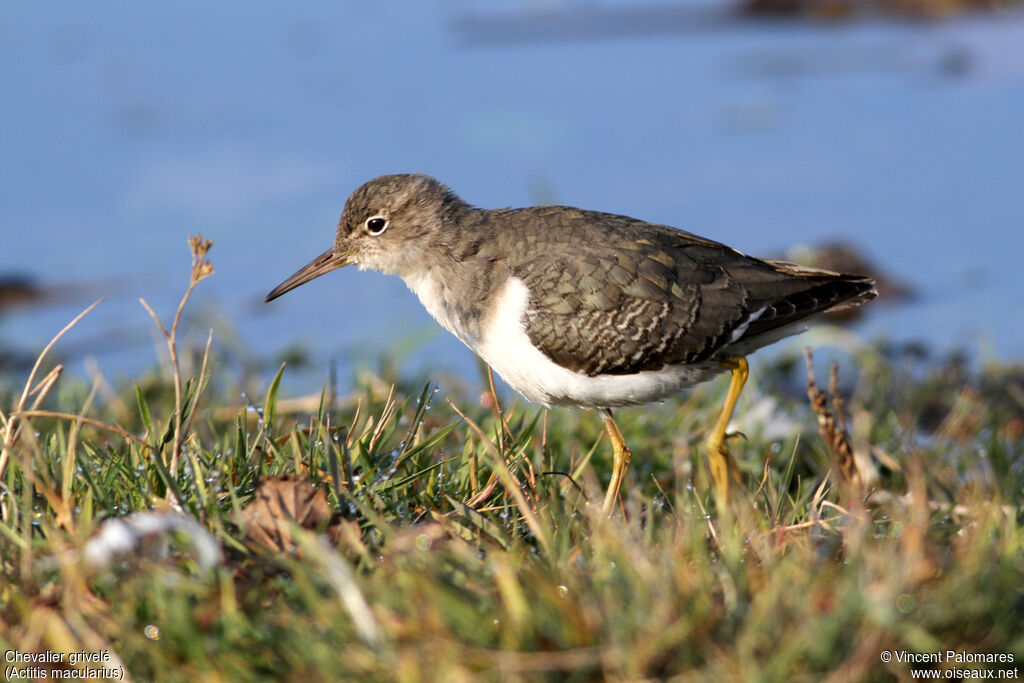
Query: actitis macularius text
575	307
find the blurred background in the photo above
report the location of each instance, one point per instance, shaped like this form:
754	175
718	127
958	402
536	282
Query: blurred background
778	127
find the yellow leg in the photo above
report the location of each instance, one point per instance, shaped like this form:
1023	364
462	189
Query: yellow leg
722	464
620	462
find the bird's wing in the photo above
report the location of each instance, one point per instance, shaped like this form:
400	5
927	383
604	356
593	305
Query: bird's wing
630	296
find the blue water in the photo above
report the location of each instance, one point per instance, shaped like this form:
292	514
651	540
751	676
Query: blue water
127	126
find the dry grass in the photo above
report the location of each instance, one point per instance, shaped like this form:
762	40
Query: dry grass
410	538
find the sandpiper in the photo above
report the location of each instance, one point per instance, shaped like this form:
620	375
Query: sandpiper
583	308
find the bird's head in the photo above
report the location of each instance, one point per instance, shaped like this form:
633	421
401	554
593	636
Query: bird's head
390	224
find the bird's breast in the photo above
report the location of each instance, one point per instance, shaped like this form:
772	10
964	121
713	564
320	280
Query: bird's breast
454	314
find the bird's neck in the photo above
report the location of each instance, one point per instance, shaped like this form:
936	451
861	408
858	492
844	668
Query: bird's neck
439	295
456	282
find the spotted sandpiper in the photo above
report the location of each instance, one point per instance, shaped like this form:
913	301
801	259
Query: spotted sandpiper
582	308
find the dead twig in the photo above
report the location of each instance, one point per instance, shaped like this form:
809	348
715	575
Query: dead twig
201	269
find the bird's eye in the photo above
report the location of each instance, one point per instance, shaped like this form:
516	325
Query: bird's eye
376	224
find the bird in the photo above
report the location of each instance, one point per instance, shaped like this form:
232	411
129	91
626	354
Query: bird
583	308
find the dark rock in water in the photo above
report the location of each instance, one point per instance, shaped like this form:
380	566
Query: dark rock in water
19	290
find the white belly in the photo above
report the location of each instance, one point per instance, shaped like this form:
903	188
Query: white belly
505	346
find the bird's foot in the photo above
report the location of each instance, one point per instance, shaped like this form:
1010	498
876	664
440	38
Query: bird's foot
723	466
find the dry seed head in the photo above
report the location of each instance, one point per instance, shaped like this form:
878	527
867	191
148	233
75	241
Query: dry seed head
199	246
833	431
201	268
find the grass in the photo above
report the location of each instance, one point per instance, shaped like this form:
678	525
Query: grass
397	533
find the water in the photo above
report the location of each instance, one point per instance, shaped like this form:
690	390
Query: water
127	127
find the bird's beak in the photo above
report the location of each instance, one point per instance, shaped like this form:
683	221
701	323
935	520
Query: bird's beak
324	263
